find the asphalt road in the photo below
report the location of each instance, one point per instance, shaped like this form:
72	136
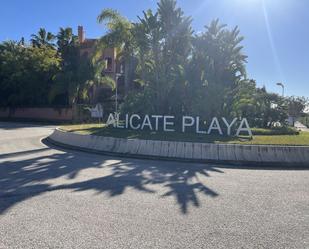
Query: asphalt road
56	198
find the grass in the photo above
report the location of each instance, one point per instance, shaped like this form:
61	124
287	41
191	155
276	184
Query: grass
102	130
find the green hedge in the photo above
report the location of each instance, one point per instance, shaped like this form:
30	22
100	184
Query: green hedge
275	131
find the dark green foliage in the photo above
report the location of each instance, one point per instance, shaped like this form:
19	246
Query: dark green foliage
275	131
139	103
182	73
296	106
46	74
262	109
43	39
26	74
203	75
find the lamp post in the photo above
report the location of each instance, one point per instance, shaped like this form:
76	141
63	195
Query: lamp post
116	96
281	84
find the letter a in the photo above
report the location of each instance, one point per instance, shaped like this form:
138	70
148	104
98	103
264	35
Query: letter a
111	120
215	126
146	122
245	129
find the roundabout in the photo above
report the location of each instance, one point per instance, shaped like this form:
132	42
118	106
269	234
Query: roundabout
187	151
46	191
177	130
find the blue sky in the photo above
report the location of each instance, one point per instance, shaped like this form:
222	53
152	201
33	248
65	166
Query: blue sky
276	31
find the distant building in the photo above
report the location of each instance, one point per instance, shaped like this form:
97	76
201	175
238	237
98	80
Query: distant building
114	69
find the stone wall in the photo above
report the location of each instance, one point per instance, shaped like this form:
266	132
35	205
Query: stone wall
54	114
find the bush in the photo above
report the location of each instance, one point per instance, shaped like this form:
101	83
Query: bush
304	120
138	102
275	131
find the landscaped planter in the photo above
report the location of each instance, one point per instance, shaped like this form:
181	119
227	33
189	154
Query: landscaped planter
234	153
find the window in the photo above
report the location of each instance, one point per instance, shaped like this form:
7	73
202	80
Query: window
121	68
109	64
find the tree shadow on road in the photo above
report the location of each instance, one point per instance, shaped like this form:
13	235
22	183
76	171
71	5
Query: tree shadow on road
23	178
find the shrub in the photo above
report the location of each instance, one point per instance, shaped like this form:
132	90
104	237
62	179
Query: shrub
275	131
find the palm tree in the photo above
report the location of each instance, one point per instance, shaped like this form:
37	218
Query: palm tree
68	47
97	79
147	34
119	36
42	38
66	39
163	45
219	61
9	45
76	82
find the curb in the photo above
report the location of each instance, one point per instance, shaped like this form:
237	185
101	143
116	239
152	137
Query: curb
231	163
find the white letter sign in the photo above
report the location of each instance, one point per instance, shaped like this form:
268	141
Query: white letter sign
185	123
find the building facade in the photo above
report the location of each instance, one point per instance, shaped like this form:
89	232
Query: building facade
114	69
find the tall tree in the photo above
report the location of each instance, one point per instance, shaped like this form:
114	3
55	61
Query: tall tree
219	66
43	38
67	44
163	42
26	74
296	106
119	36
78	74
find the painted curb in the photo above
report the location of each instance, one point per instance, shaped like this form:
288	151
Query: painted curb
185	151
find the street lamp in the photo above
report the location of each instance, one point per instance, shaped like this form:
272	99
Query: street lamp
281	84
116	97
